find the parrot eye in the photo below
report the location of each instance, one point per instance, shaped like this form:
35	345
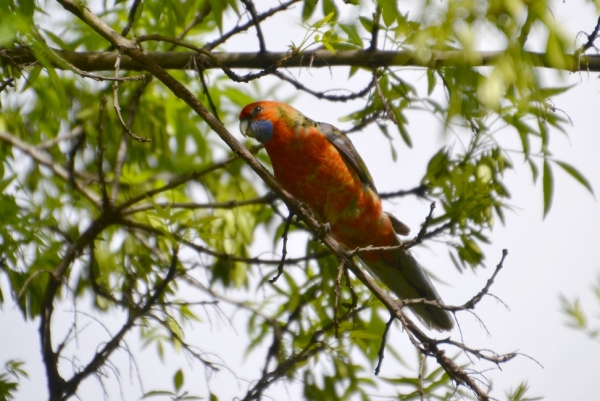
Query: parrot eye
256	111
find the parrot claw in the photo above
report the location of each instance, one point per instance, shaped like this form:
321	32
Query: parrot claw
324	230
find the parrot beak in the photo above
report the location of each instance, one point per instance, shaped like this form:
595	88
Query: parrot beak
245	128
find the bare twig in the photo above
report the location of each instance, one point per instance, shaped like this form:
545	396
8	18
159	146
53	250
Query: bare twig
284	236
75	132
423	231
337	289
118	108
473	301
198	18
8	82
383	341
351	288
217	61
323	95
31	277
419	191
386	107
100	152
223	38
256	22
232	204
205	90
176	182
221	255
375	29
77	143
46	160
591	38
130	17
422	361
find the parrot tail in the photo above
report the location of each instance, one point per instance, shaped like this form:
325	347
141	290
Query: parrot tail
402	274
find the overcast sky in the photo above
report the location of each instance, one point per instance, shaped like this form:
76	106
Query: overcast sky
547	257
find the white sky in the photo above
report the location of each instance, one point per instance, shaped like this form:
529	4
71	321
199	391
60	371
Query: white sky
560	254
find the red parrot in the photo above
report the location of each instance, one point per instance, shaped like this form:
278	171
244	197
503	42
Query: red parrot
318	165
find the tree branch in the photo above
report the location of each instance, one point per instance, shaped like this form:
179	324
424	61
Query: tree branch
105	61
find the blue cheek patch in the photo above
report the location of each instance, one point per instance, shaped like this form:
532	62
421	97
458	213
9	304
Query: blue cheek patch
262	130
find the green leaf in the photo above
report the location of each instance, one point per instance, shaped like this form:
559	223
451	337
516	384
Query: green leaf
389	11
178	380
353	36
534	170
548	186
217	11
322	22
309	8
573	172
367	23
431	81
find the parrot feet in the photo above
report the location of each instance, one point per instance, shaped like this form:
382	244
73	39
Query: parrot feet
323	230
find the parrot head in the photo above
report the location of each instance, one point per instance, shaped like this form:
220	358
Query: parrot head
257	119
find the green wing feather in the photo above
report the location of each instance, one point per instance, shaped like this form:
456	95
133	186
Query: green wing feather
348	152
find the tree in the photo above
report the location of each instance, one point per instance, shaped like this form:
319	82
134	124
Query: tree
119	193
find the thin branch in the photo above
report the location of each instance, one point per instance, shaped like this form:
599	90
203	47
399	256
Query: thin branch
420	191
72	153
324	95
337	290
470	304
75	132
375	29
423	231
175	183
205	90
118	108
232	204
44	159
214	59
381	352
473	301
364	122
591	39
288	221
100	152
108	348
386	107
122	150
351	288
7	83
422	361
198	18
223	38
313	347
130	17
29	279
256	22
221	255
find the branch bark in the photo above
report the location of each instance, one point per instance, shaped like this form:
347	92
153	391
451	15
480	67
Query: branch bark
105	61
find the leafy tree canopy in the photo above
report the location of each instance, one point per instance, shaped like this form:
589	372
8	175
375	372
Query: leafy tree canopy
124	189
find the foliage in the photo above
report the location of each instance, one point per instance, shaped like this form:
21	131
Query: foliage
119	193
577	318
9	379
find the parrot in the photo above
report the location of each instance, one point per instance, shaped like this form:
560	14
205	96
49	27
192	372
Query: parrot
319	166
